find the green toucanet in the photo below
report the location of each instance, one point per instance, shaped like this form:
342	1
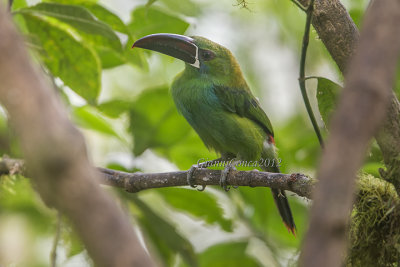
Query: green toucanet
213	96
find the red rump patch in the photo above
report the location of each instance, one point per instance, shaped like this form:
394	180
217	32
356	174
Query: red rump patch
271	139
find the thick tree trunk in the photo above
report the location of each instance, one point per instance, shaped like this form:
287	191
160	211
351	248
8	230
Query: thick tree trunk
56	157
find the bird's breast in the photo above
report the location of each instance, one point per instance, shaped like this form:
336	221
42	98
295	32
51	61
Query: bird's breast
219	128
196	104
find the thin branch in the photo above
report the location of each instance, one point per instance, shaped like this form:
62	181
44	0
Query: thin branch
297	183
299	5
53	253
302	81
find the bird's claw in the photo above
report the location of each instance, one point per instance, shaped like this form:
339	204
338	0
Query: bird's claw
189	176
224	175
190	179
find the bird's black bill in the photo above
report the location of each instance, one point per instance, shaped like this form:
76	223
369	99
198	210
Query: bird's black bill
174	45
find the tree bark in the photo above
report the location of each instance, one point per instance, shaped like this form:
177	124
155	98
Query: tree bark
56	157
361	109
336	30
388	140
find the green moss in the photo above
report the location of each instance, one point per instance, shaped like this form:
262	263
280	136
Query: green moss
375	227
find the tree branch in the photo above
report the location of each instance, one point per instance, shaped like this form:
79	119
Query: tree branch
56	157
297	183
302	79
361	109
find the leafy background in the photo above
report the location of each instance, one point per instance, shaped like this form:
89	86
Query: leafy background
120	99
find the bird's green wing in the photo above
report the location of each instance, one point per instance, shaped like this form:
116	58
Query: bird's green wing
242	102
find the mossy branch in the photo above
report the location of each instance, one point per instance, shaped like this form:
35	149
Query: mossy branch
375	224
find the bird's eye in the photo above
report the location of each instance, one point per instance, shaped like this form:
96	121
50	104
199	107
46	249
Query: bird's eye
207	55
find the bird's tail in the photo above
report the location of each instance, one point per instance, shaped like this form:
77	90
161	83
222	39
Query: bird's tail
282	203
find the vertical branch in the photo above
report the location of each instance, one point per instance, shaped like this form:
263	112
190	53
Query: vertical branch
302	80
361	109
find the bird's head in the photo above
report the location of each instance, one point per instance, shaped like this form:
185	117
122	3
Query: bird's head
201	55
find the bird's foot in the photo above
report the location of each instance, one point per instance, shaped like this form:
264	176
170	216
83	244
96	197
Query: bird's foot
190	178
224	175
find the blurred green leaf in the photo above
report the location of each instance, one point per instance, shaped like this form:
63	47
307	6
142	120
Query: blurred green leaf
150	2
66	58
148	20
356	14
71	240
187	7
297	145
120	167
155	122
114	108
19	21
111	57
9	143
88	118
227	254
373	168
374	153
356	10
163	235
135	56
95	31
104	15
327	93
264	217
18	197
200	204
188	151
17	4
151	20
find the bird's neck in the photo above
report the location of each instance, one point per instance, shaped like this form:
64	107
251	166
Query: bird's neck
230	77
